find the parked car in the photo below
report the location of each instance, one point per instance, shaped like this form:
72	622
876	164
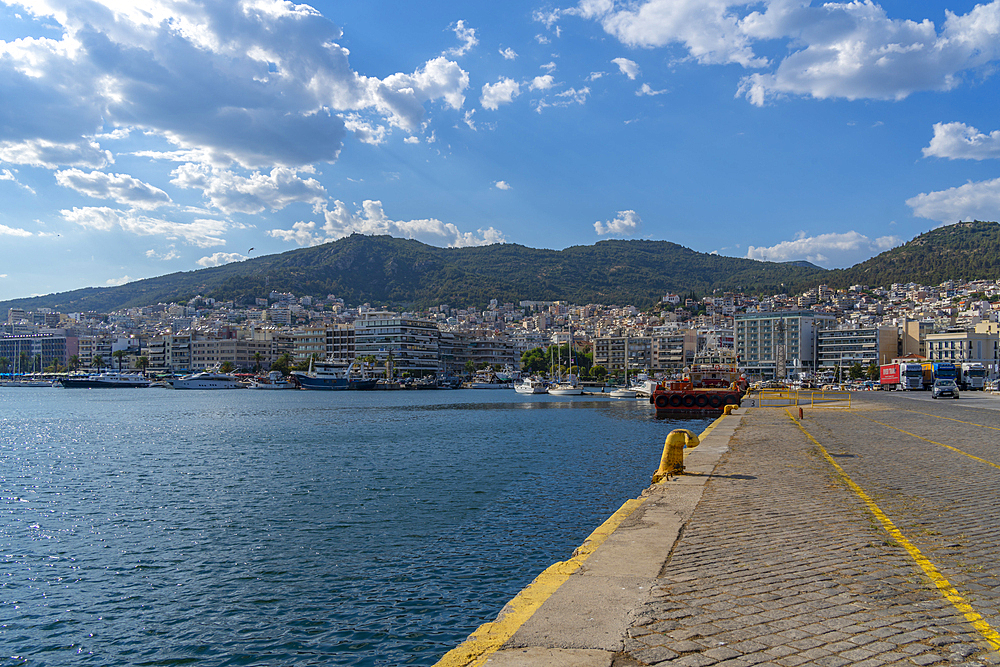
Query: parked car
944	388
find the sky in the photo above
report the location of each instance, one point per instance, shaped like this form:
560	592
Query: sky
139	139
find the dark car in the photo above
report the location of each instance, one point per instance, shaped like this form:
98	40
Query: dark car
944	388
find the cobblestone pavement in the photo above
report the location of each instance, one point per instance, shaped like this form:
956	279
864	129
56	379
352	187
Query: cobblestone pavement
783	564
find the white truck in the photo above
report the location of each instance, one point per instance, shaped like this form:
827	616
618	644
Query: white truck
973	376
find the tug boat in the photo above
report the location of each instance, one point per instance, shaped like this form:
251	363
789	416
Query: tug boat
712	382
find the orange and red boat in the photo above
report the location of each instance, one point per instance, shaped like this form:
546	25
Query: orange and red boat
712	382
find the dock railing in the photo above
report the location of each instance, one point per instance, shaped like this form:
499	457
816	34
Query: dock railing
780	398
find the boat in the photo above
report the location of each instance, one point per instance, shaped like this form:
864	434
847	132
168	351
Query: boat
569	386
331	376
29	383
207	380
106	380
274	380
488	379
531	385
624	391
711	383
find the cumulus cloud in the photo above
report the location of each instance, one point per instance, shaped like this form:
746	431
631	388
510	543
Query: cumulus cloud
502	92
254	82
220	258
232	193
979	201
508	53
828	250
170	254
851	50
502	185
957	141
468	38
371	219
114	282
628	67
626	223
542	82
855	51
14	231
201	233
121	188
646	89
709	29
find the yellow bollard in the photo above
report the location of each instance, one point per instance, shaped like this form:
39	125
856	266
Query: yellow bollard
728	409
672	460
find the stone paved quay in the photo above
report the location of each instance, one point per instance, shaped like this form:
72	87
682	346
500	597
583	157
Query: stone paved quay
780	562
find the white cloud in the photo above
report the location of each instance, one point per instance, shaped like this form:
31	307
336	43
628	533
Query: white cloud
200	233
501	92
14	231
411	140
542	82
508	53
8	175
628	67
626	223
220	258
854	50
114	282
707	28
232	193
121	188
170	254
502	185
468	120
979	201
959	141
647	90
828	250
371	219
256	82
468	38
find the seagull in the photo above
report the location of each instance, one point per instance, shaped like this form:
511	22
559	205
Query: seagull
249	251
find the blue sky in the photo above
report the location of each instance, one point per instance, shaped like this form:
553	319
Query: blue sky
140	141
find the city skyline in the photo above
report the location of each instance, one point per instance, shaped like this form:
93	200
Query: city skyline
185	135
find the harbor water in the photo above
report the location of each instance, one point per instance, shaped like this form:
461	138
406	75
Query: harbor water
161	527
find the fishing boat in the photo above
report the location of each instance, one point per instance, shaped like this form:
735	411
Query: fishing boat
274	380
488	379
106	380
332	376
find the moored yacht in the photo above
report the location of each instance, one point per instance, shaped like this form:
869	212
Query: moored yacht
531	385
207	380
106	380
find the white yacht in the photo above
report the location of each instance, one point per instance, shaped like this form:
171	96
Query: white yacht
207	380
531	385
570	386
275	380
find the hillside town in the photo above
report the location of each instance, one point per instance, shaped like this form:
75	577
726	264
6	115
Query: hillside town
815	334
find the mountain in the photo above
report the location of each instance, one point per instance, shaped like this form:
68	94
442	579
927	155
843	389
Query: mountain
387	271
383	270
963	251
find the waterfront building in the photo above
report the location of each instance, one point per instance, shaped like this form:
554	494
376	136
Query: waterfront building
21	351
765	351
406	344
672	351
610	352
330	342
866	345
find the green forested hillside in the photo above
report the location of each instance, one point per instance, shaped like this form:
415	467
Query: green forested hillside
382	270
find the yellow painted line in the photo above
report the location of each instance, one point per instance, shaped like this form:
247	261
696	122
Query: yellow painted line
917	412
939	444
489	637
949	592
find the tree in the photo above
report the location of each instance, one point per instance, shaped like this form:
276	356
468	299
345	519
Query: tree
226	367
97	361
873	372
119	355
257	358
36	361
4	364
74	362
856	372
534	361
143	363
283	364
599	371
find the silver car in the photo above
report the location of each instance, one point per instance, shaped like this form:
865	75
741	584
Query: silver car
944	388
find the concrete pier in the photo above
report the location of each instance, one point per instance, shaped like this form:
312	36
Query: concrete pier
862	536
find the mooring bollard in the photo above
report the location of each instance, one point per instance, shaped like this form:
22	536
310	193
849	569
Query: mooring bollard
672	460
728	409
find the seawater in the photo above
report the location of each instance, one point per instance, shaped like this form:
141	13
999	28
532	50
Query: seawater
161	527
